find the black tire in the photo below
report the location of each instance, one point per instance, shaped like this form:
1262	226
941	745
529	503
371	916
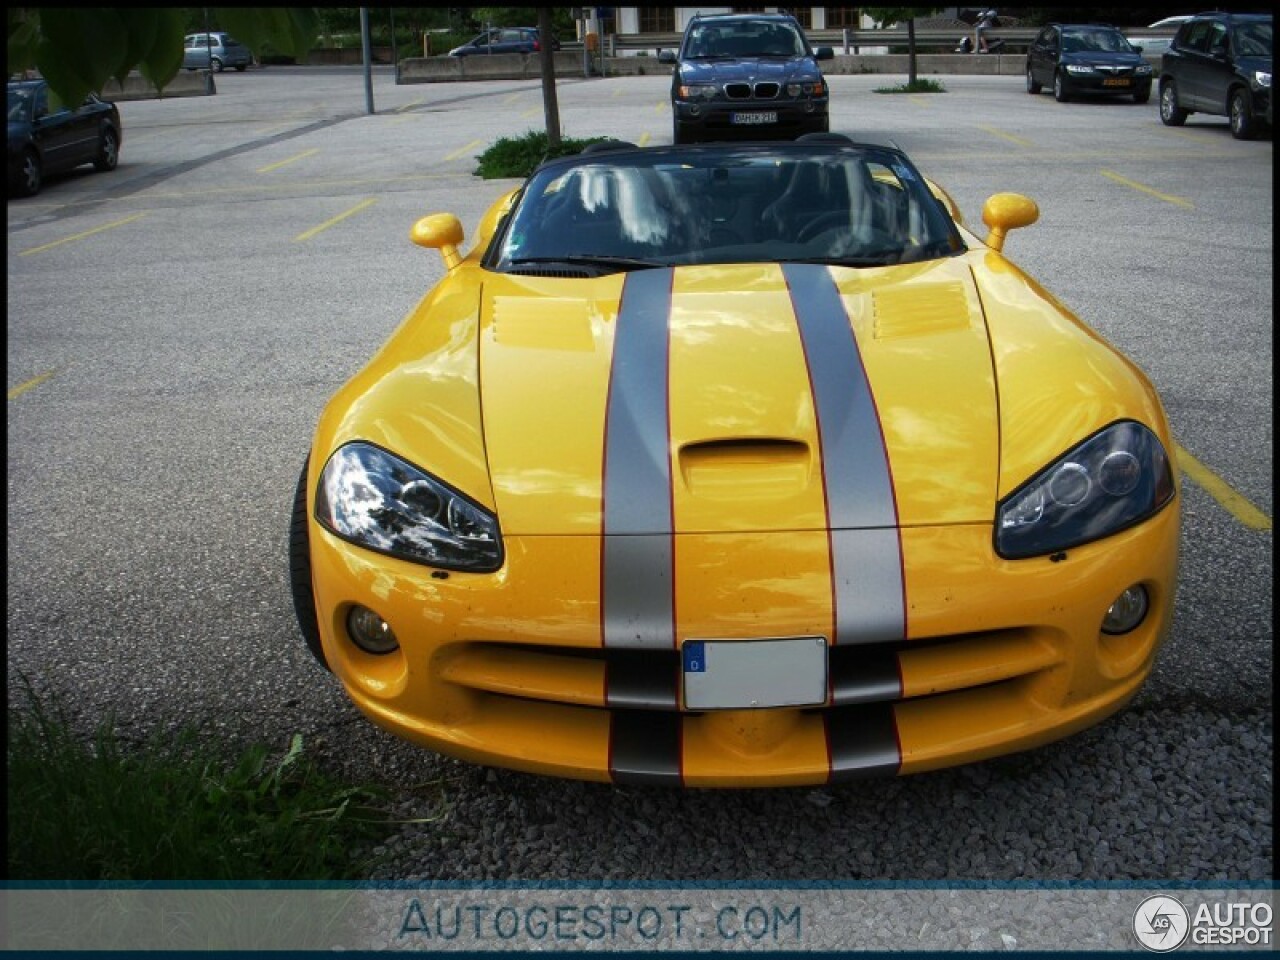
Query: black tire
1033	85
216	64
108	150
1171	114
1143	95
1240	113
30	174
240	68
304	599
1060	92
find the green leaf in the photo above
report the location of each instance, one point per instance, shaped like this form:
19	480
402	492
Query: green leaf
163	60
141	25
24	39
291	31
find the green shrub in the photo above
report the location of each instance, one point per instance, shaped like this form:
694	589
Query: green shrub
520	156
921	85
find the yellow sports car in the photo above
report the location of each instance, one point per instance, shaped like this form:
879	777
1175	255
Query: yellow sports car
737	465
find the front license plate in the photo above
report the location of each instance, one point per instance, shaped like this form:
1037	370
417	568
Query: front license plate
747	674
1116	82
756	117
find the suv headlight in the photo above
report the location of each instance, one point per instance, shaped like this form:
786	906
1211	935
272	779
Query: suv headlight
810	88
1262	79
378	501
692	91
1118	477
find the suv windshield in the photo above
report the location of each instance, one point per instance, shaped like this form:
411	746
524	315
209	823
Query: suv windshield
743	38
1252	40
852	206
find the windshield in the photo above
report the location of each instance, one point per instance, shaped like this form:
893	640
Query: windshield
1253	40
747	204
744	38
1104	41
20	102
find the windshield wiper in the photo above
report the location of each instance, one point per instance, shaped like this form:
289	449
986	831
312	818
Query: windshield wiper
592	260
712	56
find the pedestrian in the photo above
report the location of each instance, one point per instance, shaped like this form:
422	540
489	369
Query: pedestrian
986	21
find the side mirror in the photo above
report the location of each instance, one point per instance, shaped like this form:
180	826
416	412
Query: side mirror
666	56
824	53
1007	211
440	231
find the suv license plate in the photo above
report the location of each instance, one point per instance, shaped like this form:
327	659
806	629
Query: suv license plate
757	117
753	674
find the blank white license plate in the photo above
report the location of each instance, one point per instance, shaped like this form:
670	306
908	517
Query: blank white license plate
746	674
756	117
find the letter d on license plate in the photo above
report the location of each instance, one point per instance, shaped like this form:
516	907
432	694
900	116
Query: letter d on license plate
745	674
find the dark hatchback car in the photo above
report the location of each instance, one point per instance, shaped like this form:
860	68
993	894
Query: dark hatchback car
746	74
46	137
1087	59
1220	63
504	40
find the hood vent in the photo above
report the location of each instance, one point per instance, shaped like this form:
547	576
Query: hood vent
568	273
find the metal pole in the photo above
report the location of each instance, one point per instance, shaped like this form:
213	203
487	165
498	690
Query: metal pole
368	59
395	51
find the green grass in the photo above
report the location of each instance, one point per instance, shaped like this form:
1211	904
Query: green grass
520	156
94	809
921	85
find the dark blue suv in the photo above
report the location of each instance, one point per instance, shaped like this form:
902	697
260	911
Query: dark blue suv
746	74
1219	63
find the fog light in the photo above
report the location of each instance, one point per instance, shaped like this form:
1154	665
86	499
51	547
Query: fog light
1128	610
370	632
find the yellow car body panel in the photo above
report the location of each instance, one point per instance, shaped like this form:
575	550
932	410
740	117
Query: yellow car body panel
508	387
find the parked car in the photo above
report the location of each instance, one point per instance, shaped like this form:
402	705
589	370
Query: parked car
737	465
215	50
46	137
504	40
1074	59
746	74
1220	64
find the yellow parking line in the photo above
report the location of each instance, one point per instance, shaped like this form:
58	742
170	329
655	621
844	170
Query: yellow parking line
531	113
276	166
1006	136
512	98
1178	201
919	101
662	105
22	388
644	138
81	236
409	106
1216	487
464	150
338	219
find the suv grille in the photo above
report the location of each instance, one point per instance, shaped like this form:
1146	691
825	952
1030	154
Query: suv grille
765	90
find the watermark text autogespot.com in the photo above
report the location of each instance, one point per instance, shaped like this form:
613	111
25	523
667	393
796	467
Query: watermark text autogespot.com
635	923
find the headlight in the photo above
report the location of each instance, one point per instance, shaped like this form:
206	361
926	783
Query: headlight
1113	480
379	501
1262	78
691	91
1079	68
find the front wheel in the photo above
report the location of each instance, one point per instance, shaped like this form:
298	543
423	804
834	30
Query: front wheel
1243	125
1060	88
1171	115
108	150
30	174
217	65
1033	85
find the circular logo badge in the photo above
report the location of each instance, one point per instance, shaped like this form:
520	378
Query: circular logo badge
1161	923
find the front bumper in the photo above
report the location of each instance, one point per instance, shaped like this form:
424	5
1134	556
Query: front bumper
716	117
1106	85
508	668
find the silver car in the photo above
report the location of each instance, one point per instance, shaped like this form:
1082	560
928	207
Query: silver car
216	50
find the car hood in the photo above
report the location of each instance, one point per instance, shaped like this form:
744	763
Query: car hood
702	379
751	68
1102	58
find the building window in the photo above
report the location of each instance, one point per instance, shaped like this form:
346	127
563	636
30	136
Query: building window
657	19
843	17
803	15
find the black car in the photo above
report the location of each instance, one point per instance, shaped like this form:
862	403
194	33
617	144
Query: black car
46	137
746	74
504	40
1080	58
1219	63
